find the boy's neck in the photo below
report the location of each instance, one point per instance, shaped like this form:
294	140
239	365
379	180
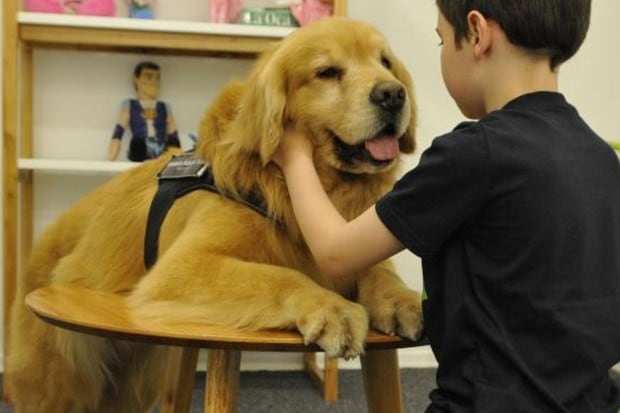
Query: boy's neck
518	78
511	71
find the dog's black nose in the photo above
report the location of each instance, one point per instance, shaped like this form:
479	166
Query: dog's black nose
389	95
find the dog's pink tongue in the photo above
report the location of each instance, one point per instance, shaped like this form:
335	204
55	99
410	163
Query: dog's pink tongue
383	148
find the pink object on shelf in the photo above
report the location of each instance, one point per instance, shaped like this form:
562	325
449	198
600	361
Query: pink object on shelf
97	8
45	6
310	10
82	7
224	11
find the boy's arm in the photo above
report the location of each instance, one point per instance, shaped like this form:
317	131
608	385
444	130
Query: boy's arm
338	247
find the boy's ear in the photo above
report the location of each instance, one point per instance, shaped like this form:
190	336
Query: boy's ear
479	30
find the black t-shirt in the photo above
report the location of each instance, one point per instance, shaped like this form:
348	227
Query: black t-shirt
517	220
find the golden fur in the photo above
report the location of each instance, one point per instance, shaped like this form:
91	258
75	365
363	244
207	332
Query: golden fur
219	261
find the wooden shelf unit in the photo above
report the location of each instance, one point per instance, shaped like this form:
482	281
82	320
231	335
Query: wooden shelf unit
88	32
24	32
72	166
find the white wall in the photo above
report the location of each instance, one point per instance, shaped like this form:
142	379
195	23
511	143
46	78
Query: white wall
71	89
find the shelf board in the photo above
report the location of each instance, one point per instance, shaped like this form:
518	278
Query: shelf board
44	29
73	166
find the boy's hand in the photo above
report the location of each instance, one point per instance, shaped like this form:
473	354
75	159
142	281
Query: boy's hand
294	144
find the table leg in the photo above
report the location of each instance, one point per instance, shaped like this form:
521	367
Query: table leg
382	381
327	379
222	386
179	380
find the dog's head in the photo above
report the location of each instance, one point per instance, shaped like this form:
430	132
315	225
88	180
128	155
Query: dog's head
339	80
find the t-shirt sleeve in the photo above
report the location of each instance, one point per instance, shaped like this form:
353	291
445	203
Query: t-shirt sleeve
442	194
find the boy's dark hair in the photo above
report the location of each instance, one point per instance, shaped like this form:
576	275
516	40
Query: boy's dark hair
555	28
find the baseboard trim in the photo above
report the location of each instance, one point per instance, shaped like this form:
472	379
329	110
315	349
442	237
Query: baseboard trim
417	357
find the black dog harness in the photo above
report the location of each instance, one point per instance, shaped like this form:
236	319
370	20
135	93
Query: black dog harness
184	174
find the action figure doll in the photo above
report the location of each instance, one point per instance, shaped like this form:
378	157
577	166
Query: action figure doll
150	120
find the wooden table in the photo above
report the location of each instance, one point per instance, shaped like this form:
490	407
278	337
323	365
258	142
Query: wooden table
108	315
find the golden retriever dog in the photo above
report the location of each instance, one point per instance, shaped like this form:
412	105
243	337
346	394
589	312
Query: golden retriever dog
219	261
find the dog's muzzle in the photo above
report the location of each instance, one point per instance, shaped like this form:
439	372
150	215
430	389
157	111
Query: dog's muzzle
389	96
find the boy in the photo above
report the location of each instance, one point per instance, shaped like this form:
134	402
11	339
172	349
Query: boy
516	218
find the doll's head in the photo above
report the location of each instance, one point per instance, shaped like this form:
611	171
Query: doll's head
147	78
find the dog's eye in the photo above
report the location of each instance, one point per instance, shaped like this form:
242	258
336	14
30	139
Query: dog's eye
329	73
386	62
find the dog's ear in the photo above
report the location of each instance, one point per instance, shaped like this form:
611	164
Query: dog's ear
407	143
261	114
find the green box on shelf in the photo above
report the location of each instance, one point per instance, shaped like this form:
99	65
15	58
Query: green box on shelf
268	16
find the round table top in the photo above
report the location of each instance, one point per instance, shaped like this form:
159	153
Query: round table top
108	314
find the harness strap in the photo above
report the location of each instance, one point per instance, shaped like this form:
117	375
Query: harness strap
171	188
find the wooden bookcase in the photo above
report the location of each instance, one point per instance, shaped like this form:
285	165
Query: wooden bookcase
23	33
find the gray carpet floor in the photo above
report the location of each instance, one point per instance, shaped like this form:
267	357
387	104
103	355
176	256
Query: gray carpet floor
293	392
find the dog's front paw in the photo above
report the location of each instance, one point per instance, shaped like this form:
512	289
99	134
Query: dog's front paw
339	328
398	312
